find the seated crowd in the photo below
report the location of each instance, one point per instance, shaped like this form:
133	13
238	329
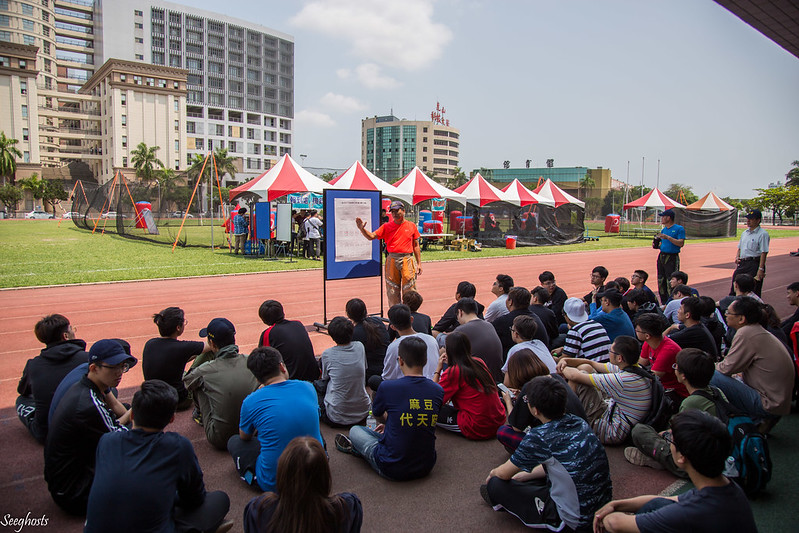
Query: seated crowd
553	378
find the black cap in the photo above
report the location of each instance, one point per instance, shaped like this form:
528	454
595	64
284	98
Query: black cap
755	213
218	328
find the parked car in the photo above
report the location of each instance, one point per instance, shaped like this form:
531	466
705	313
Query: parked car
39	215
179	214
71	214
109	214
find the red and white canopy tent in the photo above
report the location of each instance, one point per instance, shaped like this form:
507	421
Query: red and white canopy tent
710	202
653	199
420	188
287	177
479	192
517	194
357	177
550	191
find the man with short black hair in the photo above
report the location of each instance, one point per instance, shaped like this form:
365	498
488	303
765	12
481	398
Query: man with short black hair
279	410
219	386
598	276
639	303
518	303
750	257
87	411
449	320
610	314
700	445
692	333
401	321
559	474
638	281
240	230
482	336
764	362
156	471
523	332
291	339
793	298
742	285
403	447
557	296
671	239
539	296
43	373
678	294
500	288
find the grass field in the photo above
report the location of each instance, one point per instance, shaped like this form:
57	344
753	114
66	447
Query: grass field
39	252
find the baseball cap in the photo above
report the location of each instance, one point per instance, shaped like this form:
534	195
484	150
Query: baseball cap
396	204
755	213
110	352
575	310
667	213
218	328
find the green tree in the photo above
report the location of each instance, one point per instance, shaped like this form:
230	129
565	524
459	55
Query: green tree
593	206
586	183
10	195
8	156
35	185
614	201
735	202
792	177
225	164
327	176
145	161
780	200
54	192
458	178
675	189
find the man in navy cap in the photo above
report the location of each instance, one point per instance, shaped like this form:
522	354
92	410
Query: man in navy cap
220	386
752	251
404	260
670	239
87	411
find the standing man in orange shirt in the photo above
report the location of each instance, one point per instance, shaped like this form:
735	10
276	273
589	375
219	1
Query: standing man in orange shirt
404	260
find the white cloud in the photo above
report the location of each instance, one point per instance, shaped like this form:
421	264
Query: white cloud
339	102
388	32
369	74
344	73
309	117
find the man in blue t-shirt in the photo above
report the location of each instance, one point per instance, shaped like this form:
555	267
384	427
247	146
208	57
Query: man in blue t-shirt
279	410
566	474
672	238
700	445
405	446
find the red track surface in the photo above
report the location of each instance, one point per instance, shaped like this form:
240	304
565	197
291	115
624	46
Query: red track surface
124	310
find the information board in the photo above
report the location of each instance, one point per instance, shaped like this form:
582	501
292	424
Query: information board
348	254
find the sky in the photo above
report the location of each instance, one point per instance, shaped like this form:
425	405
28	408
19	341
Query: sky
584	82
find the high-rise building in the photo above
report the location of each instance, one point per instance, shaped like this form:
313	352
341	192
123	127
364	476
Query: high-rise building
391	147
239	86
19	113
240	75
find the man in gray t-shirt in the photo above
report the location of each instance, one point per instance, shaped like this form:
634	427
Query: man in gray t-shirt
343	400
481	334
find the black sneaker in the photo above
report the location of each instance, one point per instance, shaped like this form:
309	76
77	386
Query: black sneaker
343	443
484	494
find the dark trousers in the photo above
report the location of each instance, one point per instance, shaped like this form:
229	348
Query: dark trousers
26	411
521	498
667	264
747	266
204	518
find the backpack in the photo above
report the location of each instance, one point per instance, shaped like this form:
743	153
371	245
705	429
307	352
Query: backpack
749	463
301	230
662	407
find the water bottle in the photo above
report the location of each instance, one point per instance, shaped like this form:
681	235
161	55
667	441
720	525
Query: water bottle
371	422
730	470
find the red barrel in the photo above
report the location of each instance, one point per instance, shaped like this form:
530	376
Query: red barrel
433	226
612	223
510	242
140	208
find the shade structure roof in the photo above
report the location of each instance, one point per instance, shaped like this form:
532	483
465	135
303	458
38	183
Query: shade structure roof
654	199
550	191
710	202
479	192
517	194
286	177
421	188
358	177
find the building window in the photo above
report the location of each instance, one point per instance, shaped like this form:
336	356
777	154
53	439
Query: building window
30	40
24	111
26	157
140	57
138	13
177	125
162	84
175	61
138	40
27	9
177	144
27	25
124	161
24	134
177	164
46	48
177	105
23	87
138	26
124	120
158	58
123	77
124	141
5	21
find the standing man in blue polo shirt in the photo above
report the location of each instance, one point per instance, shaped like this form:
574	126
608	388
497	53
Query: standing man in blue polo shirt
752	251
672	238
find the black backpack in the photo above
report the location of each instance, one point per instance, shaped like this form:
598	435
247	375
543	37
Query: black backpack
662	407
749	463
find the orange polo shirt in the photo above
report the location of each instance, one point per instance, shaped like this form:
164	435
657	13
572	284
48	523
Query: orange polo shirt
398	237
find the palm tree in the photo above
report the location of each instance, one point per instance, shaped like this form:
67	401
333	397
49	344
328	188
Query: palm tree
145	161
587	182
225	164
792	177
165	178
8	155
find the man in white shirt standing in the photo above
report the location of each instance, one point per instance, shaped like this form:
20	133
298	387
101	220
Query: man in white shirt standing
752	251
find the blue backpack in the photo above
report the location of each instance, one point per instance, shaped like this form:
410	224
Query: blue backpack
749	463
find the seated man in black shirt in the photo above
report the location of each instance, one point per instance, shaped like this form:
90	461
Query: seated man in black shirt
165	357
156	472
518	303
539	296
692	333
449	320
557	297
291	339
